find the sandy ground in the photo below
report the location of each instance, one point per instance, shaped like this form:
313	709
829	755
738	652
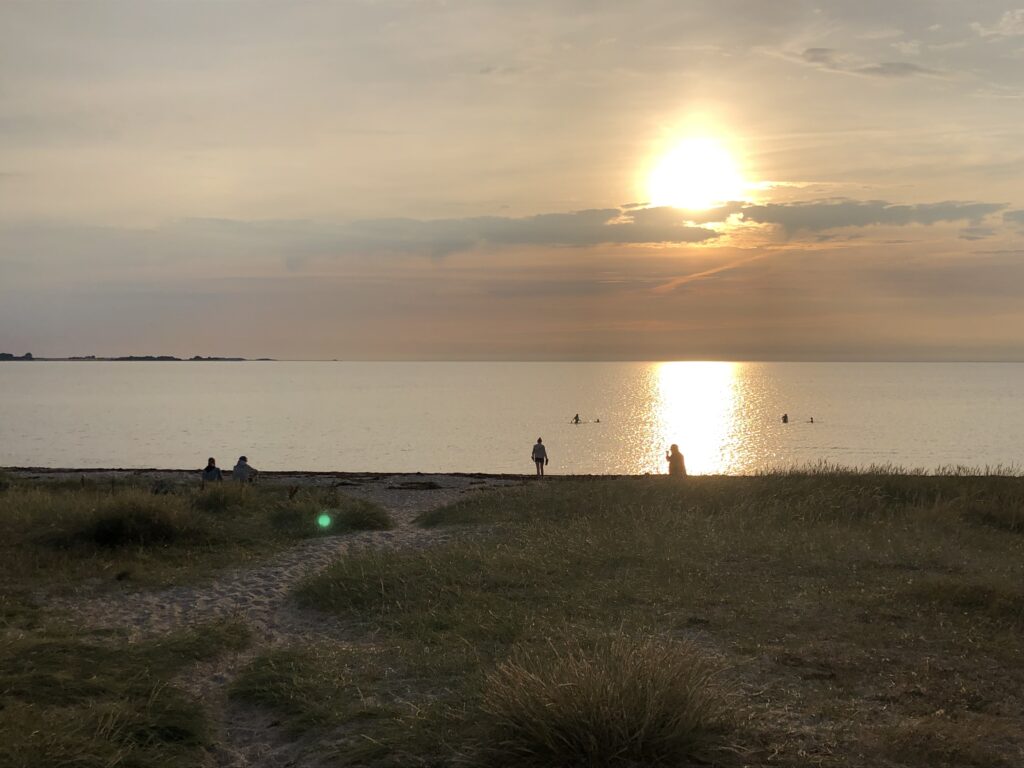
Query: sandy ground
260	595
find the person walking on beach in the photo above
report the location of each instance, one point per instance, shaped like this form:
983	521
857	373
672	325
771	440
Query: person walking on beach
212	473
242	472
539	456
676	464
576	419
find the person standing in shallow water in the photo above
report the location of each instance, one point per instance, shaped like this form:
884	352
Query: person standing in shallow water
676	464
539	456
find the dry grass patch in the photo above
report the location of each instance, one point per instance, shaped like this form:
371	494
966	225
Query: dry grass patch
846	603
619	700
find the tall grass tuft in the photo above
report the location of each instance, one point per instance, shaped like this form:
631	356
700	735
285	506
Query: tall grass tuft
221	497
618	700
341	513
138	519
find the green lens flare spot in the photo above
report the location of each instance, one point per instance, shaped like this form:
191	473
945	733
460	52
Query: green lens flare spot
324	521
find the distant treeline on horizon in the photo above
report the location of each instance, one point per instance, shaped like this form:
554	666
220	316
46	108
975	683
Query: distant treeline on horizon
129	358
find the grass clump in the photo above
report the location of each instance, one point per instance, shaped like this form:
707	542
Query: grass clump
99	700
310	686
620	700
222	497
330	512
1003	512
66	534
139	519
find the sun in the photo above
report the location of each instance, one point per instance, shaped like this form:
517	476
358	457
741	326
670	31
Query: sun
697	173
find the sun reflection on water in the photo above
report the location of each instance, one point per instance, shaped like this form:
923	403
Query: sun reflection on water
697	407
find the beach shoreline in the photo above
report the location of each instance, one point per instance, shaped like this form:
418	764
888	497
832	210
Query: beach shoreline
276	476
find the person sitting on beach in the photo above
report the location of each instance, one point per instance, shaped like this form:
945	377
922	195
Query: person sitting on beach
242	472
676	465
212	473
539	456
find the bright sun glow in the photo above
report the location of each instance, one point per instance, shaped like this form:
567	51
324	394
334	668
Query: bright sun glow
697	409
695	174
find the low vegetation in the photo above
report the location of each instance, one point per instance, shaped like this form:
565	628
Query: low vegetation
855	619
98	700
71	696
611	700
828	618
64	534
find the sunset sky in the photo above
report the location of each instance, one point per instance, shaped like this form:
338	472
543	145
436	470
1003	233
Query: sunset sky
496	180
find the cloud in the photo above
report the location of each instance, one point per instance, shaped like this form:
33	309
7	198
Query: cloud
976	233
226	246
893	69
579	228
1011	24
833	214
835	61
296	242
1014	217
827	57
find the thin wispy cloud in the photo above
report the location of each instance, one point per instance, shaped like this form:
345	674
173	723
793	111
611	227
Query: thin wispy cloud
1010	24
835	61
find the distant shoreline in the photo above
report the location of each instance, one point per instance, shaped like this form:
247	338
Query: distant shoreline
133	359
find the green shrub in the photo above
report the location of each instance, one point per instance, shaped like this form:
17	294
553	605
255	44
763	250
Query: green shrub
616	701
362	517
136	518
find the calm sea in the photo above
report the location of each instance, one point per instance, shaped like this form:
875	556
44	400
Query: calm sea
484	417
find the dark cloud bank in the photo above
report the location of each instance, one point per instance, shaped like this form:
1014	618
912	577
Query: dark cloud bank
440	237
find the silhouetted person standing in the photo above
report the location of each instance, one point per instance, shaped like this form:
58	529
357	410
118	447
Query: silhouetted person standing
676	465
242	472
576	419
212	473
785	418
539	456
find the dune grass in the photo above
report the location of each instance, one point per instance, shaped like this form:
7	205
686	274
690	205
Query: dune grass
614	700
855	616
70	534
73	697
85	700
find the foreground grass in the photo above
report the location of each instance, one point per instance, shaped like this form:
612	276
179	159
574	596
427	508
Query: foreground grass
68	699
66	534
861	620
74	697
